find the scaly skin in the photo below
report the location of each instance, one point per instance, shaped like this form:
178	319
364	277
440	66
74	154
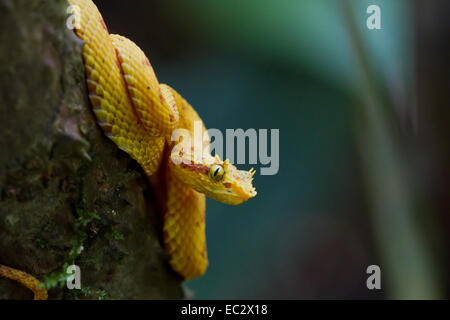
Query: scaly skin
141	116
27	280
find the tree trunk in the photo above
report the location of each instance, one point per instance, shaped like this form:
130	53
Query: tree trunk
68	195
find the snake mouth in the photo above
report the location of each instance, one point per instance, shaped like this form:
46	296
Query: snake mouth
245	192
243	196
239	184
233	196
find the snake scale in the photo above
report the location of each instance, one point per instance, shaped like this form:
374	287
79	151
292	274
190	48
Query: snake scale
142	116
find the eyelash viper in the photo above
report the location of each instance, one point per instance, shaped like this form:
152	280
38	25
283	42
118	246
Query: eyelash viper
140	116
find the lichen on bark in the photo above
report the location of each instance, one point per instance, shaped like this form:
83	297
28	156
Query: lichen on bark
56	164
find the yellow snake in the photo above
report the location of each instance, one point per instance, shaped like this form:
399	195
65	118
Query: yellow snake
162	132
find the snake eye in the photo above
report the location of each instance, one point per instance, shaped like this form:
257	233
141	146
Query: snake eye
216	172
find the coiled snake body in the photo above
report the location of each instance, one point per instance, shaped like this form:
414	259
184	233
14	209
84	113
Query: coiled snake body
157	127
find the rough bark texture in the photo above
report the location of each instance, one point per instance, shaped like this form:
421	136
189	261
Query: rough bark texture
63	185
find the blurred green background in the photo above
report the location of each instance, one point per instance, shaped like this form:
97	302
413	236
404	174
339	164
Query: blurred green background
360	179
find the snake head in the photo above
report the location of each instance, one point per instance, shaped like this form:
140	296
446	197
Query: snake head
231	186
219	180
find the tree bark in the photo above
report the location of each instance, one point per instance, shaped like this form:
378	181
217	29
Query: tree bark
67	193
